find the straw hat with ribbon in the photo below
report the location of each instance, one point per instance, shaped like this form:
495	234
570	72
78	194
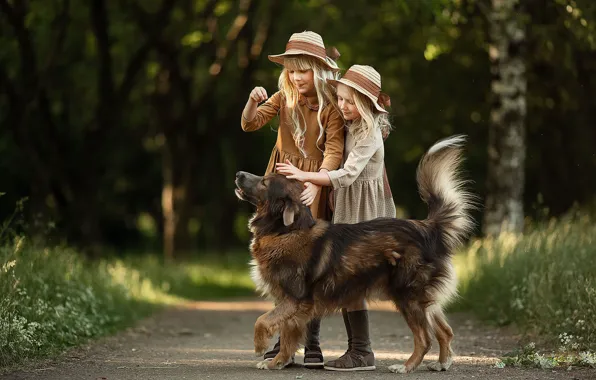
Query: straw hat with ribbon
367	81
308	43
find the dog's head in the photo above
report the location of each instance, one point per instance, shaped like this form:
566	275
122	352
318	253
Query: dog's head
277	199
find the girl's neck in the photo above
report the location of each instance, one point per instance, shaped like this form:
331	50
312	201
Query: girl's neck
312	99
311	102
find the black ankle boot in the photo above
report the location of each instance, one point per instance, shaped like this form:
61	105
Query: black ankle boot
271	354
313	356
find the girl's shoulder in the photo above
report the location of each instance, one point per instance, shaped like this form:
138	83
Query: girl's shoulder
374	138
377	135
331	110
278	96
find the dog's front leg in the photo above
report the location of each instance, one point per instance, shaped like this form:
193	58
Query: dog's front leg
291	333
268	323
263	333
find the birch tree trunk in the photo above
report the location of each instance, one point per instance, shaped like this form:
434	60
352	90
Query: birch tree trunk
506	144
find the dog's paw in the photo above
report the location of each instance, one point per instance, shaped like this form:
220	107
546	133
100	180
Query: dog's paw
263	364
277	364
438	366
398	368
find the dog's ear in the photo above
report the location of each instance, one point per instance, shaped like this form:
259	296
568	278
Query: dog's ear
290	210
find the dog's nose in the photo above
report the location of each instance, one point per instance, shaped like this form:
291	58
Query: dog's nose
239	175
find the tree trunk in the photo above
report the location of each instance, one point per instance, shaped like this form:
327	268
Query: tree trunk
176	203
506	142
177	171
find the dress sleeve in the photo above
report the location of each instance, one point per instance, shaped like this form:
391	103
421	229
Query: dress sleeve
356	161
334	142
265	112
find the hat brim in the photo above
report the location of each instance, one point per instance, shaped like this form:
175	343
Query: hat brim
279	58
361	90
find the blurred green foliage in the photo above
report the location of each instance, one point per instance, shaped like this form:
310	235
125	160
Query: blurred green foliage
102	102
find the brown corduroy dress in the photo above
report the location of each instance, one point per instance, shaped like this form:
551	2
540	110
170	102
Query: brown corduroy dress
326	153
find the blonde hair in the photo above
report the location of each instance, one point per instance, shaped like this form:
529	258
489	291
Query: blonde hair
325	94
370	117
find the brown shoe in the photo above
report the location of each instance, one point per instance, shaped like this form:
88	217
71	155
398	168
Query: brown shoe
359	356
351	361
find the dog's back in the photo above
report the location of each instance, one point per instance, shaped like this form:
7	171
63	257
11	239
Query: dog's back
349	261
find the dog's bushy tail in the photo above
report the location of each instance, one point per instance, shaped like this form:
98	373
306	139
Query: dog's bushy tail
441	186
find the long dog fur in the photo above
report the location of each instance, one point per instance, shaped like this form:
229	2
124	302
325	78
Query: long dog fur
313	268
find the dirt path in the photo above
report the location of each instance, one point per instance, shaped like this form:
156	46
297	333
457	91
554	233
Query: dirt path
213	340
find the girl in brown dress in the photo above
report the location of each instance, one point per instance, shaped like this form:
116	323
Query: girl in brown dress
310	133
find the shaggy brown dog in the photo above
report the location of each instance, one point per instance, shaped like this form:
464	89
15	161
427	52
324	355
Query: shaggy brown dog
312	268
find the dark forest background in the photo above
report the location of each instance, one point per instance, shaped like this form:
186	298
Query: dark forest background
121	118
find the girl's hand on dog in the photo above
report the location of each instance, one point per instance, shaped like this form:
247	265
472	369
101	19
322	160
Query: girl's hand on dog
310	193
290	171
258	94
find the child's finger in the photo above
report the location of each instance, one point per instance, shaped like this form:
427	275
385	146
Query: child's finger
260	93
309	200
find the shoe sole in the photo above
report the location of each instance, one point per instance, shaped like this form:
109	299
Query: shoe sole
369	368
314	365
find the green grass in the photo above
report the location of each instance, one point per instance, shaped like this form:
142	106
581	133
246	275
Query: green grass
211	277
53	299
544	282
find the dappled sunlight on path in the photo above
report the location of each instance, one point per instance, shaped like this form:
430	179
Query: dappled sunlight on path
213	340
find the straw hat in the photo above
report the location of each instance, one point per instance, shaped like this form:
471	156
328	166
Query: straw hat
308	43
367	81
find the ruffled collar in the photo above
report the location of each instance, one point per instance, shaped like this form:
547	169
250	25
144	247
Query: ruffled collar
304	102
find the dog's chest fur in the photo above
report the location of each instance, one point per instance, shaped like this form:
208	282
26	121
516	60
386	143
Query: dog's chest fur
274	256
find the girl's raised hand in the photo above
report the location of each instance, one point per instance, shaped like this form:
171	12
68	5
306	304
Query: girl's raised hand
290	171
258	94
